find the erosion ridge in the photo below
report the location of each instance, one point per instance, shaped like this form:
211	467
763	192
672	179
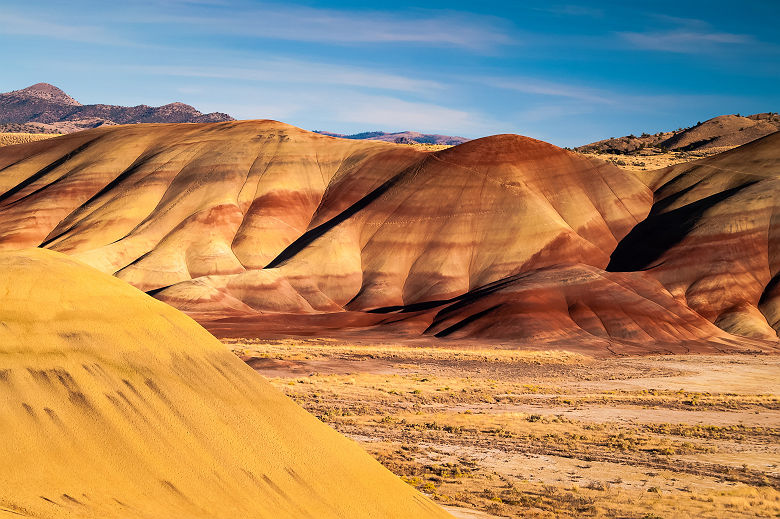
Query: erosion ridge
257	225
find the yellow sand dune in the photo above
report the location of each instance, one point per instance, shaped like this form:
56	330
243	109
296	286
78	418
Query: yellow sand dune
113	404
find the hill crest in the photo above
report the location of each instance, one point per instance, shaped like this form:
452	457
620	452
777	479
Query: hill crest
46	92
717	134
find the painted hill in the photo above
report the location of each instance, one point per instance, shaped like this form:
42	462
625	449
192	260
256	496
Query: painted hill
717	134
46	108
257	226
712	237
708	252
402	137
115	405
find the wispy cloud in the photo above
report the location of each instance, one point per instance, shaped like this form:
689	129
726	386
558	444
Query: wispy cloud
263	21
13	24
684	41
690	36
398	115
309	24
299	72
552	112
350	111
541	87
572	10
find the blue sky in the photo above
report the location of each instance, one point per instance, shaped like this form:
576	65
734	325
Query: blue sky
568	72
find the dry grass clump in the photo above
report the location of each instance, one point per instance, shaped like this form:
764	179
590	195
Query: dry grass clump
679	399
421	146
307	349
546	434
653	161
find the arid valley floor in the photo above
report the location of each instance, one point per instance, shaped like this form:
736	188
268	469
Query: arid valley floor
548	434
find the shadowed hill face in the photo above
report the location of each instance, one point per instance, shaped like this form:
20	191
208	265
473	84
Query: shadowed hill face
253	222
712	238
116	405
623	313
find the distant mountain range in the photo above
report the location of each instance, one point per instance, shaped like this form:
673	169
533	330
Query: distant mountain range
717	134
44	108
402	137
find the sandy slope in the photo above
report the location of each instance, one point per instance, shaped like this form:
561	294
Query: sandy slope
113	404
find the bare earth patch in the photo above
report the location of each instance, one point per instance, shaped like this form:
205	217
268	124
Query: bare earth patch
650	161
548	434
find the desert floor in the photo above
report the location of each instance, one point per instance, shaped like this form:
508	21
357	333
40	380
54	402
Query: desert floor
548	434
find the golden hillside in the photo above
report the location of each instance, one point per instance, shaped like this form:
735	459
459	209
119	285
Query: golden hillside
115	405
